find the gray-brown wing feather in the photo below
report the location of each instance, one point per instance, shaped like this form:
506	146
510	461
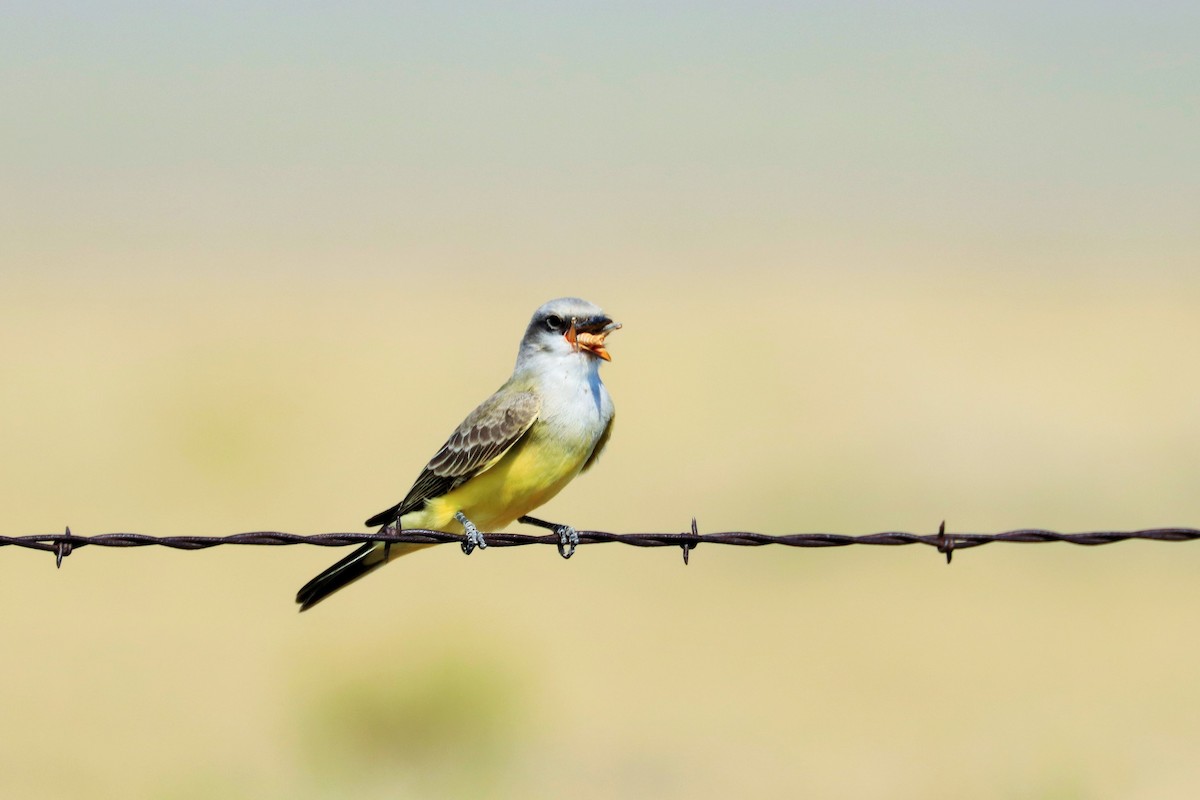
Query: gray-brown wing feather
482	438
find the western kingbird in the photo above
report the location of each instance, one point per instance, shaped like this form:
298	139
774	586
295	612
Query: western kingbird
518	449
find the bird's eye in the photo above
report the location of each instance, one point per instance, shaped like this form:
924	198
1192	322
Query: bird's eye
554	322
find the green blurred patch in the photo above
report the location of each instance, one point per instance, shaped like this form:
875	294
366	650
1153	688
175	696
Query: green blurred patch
438	718
207	783
226	415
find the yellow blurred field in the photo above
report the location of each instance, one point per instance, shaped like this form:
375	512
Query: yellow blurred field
1044	671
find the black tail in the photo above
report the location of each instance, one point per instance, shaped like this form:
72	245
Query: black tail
365	559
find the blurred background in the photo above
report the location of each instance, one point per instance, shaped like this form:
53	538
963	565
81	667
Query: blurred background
878	267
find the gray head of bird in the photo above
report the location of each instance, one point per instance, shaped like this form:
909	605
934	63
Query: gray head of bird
568	325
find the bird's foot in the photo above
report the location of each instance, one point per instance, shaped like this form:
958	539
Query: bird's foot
568	540
568	537
473	538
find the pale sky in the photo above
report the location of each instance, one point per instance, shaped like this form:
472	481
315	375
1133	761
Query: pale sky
766	134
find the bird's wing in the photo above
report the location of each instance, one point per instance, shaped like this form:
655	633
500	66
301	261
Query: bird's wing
603	440
480	441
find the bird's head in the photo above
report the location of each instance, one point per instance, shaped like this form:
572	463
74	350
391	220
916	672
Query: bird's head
569	325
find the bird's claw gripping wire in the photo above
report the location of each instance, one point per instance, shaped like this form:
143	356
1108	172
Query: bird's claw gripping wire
472	537
568	540
568	537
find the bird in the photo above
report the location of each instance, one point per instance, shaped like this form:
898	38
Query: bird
548	423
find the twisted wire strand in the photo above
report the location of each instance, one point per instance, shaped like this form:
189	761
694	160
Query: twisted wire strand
62	544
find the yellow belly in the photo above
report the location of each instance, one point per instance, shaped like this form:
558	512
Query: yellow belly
528	475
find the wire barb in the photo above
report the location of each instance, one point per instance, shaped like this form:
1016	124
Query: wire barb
62	549
690	545
945	543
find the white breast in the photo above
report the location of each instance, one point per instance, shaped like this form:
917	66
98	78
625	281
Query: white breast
576	406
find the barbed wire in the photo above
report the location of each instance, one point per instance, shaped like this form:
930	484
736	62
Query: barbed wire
63	544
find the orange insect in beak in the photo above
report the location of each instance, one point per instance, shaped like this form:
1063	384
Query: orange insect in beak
591	340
